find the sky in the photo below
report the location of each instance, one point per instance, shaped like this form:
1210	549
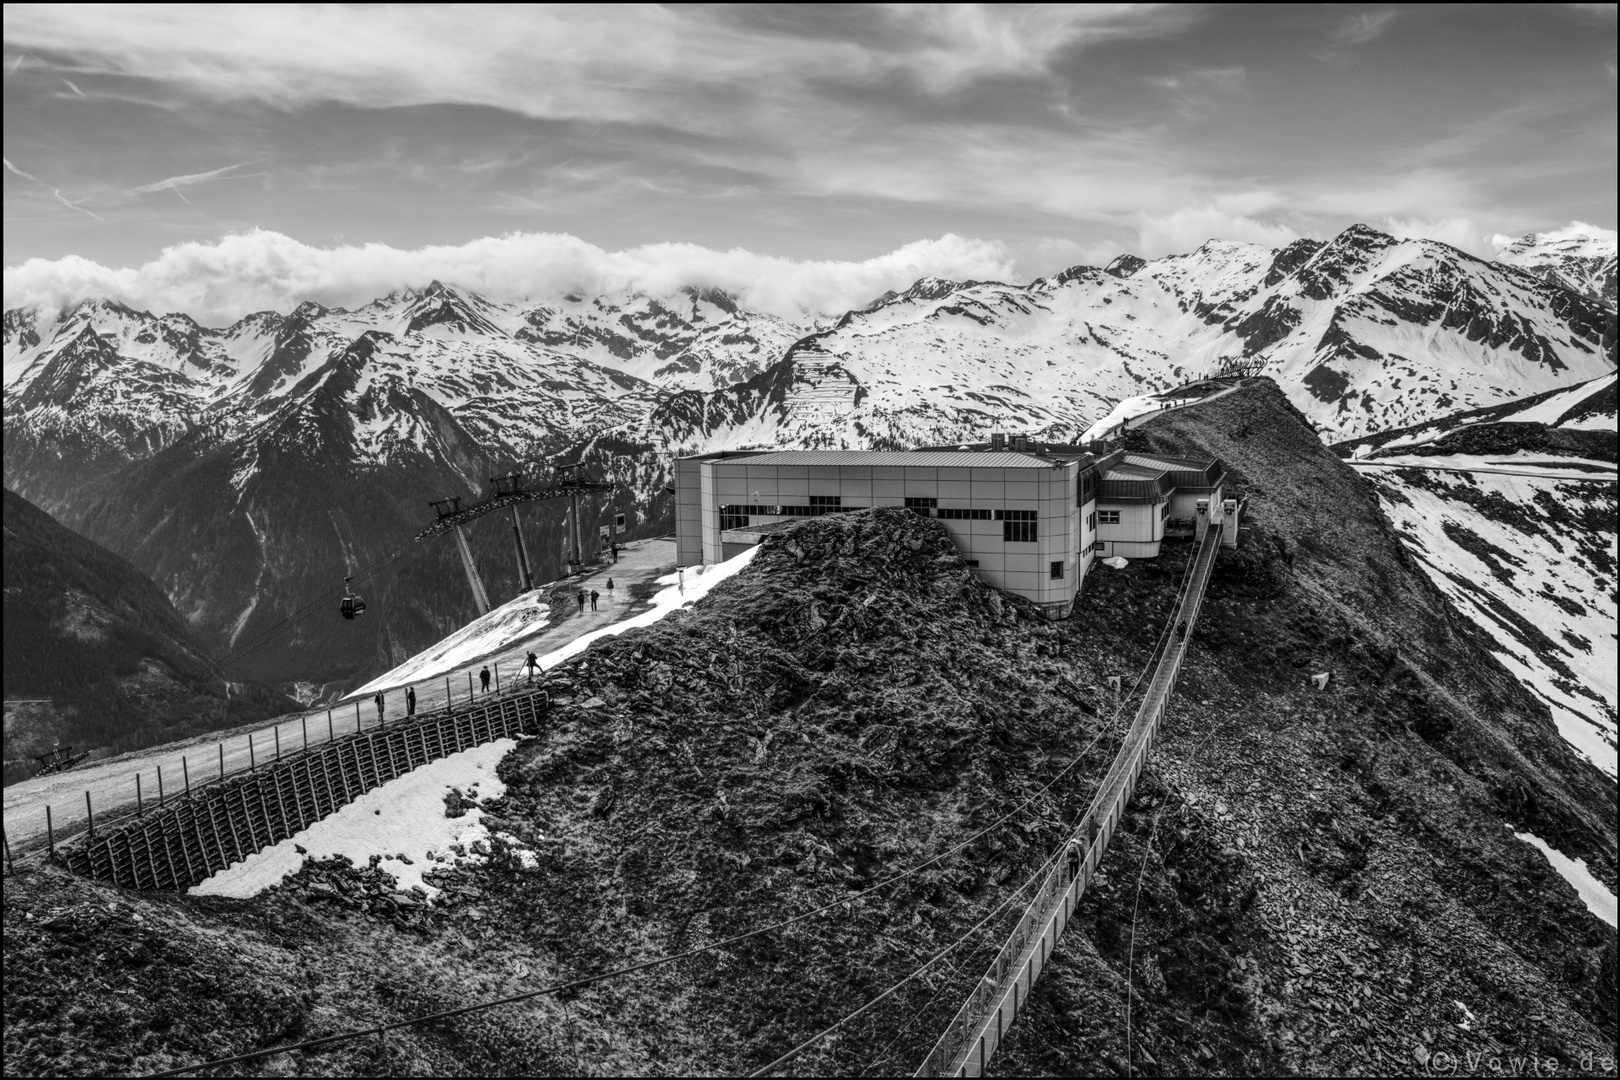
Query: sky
222	159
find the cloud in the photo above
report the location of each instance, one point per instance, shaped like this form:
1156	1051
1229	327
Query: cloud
174	183
1187	228
567	63
1460	232
1363	26
1573	231
76	204
16	171
252	271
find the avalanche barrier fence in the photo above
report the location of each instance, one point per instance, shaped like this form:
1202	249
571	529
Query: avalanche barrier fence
183	843
979	1026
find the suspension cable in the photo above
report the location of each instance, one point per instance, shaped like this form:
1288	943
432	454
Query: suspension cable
664	960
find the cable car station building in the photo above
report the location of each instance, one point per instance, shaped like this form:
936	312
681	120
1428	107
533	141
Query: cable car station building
1027	518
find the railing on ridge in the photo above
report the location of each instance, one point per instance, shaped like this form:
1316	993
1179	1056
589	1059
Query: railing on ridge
183	842
973	1035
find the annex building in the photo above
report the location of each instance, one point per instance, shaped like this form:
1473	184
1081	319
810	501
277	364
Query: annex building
1027	518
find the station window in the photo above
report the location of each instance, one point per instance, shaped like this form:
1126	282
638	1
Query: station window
1164	511
1057	568
1017	526
733	517
971	562
1091	521
959	513
925	507
1108	517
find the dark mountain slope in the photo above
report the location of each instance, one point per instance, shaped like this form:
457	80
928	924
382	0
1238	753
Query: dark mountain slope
91	637
1326	873
1329	882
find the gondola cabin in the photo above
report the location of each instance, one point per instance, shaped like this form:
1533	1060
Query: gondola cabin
352	604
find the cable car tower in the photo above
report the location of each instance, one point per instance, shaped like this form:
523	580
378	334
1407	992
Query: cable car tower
506	492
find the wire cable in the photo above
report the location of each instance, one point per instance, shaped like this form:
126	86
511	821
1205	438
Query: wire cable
661	961
1130	962
264	636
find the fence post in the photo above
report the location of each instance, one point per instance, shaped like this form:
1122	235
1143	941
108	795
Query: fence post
469	688
222	761
449	703
497	676
331	734
89	813
185	772
252	761
277	730
11	867
50	832
304	721
140	807
357	715
160	786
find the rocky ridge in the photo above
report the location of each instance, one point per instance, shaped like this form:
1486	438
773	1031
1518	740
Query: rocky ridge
1310	864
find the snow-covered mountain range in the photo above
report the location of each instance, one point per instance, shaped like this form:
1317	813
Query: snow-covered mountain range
1582	263
246	467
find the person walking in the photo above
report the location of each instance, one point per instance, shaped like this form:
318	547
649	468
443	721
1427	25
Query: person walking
615	559
582	601
610	590
533	665
379	700
483	679
594	597
410	702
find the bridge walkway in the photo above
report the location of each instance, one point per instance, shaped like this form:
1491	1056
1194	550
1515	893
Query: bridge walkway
973	1035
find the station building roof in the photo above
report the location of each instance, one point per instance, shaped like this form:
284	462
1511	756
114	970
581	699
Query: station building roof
1185	473
1128	481
954	459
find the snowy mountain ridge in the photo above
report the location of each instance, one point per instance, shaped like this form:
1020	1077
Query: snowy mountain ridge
242	466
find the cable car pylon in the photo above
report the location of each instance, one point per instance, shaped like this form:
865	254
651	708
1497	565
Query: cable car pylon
570	480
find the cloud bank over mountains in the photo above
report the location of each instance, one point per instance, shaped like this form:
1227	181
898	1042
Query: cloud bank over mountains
218	282
259	269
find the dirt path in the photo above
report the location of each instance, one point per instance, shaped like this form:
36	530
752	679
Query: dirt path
1590	478
111	782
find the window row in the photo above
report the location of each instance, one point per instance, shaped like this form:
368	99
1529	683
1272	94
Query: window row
1108	517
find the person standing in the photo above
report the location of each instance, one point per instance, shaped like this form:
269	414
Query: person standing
379	700
610	590
483	679
594	597
533	665
410	702
582	601
615	559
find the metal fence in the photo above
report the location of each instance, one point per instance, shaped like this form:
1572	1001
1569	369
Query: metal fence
191	837
973	1035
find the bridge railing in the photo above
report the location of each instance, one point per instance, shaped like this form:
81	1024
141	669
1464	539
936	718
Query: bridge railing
194	836
973	1035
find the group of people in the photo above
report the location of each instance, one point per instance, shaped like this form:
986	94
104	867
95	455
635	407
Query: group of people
531	666
593	596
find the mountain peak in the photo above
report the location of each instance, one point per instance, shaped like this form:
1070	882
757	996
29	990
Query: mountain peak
1125	265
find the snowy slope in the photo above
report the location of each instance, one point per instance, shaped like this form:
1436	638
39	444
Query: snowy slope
291	445
1586	407
1365	333
1581	263
1533	563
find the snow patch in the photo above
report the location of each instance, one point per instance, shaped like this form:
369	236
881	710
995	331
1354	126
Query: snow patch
1594	894
681	589
402	817
514	620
